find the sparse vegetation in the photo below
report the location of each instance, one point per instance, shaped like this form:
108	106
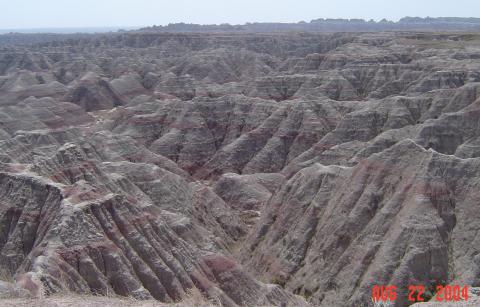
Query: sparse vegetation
382	303
6	275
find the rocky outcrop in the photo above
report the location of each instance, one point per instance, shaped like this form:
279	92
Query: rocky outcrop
94	228
248	194
338	225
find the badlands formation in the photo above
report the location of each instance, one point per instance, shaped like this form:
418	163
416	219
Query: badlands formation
259	169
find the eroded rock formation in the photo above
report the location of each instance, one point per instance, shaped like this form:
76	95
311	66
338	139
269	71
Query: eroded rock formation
257	168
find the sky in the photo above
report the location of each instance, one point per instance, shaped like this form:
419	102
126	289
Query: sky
22	14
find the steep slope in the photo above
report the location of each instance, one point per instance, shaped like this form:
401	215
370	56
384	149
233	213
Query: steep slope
403	216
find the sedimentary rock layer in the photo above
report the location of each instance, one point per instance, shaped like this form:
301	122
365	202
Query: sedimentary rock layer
257	168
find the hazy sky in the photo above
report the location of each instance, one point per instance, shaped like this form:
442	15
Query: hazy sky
97	13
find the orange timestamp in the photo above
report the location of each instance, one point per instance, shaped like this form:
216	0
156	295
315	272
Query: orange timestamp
447	293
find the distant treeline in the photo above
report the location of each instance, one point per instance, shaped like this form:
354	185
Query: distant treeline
333	25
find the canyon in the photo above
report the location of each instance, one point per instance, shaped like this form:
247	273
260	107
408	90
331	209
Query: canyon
266	168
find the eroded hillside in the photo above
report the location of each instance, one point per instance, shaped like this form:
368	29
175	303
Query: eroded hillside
257	168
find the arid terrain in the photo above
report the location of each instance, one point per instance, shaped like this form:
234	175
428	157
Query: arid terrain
261	169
